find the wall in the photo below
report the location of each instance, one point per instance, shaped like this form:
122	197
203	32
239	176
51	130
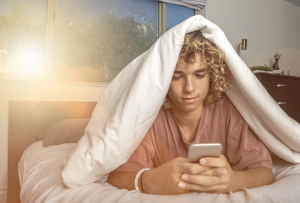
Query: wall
270	26
35	92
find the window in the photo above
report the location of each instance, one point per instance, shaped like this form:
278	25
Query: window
79	40
176	14
171	15
95	40
23	36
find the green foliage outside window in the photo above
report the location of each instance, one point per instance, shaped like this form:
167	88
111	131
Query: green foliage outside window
115	42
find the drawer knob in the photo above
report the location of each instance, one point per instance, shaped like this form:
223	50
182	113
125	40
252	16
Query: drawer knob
280	85
281	102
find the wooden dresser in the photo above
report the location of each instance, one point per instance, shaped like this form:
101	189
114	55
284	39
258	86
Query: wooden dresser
285	90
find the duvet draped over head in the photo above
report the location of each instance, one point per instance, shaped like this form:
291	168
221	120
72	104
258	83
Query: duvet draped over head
129	105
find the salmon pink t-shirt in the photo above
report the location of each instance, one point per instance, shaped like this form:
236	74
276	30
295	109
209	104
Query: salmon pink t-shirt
220	122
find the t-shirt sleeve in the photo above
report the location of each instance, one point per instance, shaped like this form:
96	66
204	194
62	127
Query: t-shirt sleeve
245	149
141	157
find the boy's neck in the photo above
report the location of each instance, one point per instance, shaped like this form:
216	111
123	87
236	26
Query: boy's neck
188	119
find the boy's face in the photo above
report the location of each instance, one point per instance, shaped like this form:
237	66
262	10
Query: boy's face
189	82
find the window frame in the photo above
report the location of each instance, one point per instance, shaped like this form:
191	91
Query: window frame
162	17
48	76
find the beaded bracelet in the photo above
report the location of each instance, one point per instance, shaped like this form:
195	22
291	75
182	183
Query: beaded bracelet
136	185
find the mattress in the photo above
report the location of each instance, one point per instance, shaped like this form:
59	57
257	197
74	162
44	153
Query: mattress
40	177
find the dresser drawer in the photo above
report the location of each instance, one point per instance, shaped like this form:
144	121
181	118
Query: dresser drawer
280	85
287	102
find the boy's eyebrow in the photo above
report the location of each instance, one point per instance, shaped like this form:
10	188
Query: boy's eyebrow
196	71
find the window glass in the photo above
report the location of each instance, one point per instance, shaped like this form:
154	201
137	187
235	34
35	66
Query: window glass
22	36
176	14
95	40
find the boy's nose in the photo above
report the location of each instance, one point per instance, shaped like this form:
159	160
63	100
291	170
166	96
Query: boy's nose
189	86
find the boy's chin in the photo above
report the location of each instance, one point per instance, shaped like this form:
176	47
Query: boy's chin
190	107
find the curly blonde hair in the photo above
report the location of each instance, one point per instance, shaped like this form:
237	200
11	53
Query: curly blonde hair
219	73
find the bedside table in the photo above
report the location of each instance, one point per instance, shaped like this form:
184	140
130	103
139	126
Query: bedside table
285	90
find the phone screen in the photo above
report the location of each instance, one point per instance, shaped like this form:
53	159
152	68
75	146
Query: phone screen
197	151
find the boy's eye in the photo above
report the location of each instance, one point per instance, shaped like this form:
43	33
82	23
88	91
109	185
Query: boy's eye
200	76
176	77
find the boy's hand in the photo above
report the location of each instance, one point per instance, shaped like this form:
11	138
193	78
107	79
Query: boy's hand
165	178
219	179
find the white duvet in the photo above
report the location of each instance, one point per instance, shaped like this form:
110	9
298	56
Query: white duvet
129	105
42	182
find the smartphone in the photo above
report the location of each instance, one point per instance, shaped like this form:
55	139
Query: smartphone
197	151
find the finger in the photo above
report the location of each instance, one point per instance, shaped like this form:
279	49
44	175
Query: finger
214	172
192	168
223	157
213	162
189	186
181	159
204	180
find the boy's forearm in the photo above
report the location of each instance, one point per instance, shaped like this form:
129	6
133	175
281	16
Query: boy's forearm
122	179
254	177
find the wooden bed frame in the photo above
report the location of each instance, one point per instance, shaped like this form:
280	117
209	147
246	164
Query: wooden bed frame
26	120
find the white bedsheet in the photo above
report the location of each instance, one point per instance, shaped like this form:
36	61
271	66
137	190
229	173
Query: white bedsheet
42	182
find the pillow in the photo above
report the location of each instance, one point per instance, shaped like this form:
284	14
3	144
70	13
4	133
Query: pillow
64	131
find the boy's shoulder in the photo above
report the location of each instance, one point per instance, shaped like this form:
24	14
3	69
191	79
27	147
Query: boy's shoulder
162	114
225	106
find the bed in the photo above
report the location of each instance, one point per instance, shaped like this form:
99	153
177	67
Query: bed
34	173
26	120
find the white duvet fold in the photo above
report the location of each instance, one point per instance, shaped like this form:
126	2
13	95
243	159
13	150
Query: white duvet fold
128	107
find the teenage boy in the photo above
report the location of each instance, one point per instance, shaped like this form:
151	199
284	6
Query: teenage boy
197	110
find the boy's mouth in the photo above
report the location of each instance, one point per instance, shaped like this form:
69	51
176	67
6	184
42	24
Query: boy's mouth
189	99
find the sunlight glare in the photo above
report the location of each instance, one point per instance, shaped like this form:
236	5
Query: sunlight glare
32	61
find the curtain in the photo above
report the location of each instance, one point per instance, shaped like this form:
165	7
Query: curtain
194	4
